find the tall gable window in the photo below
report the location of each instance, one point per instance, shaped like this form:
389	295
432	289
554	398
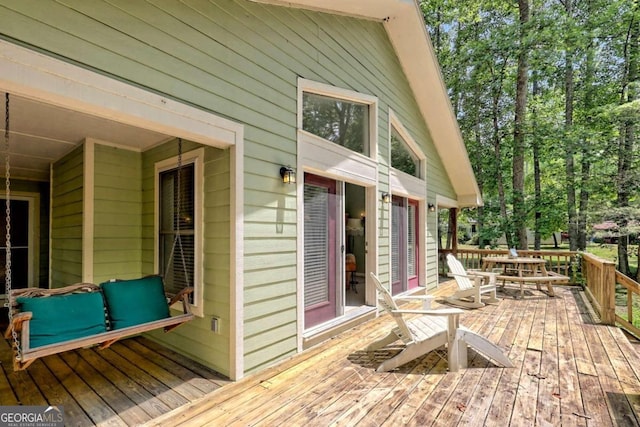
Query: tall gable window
405	154
402	157
340	121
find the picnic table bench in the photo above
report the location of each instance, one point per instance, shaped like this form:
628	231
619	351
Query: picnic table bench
523	270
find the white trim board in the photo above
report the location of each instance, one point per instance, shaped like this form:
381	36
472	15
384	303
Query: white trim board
36	76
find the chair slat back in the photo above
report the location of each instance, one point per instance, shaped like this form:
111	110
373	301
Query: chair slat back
388	304
457	269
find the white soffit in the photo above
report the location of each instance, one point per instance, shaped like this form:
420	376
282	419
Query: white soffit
406	29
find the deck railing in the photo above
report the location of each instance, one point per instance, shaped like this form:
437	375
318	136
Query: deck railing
562	262
615	296
599	283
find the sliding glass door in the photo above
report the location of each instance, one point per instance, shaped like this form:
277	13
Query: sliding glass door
405	248
320	252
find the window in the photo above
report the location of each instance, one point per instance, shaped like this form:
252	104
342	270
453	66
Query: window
187	222
402	158
177	219
342	122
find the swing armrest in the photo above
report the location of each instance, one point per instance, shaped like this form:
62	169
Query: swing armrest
16	325
183	296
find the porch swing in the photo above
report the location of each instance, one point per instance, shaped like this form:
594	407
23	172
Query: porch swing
44	322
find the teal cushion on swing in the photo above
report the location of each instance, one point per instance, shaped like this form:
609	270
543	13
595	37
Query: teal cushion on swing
137	301
60	318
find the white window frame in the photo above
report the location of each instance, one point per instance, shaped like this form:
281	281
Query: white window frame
408	186
328	159
317	88
195	157
401	182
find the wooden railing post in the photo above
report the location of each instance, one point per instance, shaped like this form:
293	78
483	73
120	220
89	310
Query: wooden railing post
608	303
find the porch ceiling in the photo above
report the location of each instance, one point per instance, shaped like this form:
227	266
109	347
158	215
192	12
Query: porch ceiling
42	133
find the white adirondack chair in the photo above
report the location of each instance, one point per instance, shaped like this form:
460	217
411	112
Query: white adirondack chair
471	285
432	330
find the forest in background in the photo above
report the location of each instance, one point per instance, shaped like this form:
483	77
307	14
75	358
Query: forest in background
547	96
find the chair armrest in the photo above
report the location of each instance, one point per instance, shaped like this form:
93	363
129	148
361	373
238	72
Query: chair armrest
16	324
426	300
415	297
482	272
182	296
438	312
478	276
468	276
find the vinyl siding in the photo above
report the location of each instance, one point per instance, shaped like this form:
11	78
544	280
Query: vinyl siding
196	339
240	60
67	219
117	194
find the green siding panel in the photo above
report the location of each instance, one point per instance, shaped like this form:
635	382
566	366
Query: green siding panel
209	348
67	219
117	217
240	60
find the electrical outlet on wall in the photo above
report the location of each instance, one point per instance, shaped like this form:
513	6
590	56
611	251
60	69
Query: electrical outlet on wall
215	325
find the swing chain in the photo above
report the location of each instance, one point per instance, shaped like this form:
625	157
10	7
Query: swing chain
14	334
177	241
178	208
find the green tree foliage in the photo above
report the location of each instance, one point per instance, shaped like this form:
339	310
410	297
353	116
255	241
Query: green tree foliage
582	109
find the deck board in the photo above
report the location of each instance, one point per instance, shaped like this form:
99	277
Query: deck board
133	382
569	370
548	386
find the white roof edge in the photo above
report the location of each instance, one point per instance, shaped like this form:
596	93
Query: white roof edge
404	24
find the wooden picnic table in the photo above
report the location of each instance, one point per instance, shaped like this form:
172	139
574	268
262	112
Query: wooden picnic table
523	270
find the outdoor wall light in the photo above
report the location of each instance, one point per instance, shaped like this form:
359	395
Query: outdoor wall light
432	207
386	197
288	175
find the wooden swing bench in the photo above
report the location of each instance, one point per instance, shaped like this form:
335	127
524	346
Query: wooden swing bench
51	321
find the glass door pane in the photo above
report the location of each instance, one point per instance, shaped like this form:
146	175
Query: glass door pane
319	250
19	245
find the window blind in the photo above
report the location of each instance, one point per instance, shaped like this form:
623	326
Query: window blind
176	274
316	245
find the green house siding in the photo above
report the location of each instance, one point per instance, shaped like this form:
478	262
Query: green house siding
117	205
67	200
196	339
239	60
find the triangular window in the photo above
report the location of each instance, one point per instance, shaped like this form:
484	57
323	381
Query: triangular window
402	157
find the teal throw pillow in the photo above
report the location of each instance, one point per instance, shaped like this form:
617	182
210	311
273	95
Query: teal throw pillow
133	302
60	318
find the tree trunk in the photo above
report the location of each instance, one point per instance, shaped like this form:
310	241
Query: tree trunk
586	146
498	158
478	169
627	137
519	208
536	173
568	127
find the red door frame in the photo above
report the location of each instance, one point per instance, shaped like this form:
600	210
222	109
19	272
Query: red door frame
326	310
405	281
414	280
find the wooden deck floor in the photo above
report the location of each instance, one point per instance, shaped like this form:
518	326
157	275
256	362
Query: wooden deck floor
132	382
569	371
